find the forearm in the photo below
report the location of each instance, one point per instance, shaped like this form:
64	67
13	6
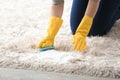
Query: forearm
57	10
92	8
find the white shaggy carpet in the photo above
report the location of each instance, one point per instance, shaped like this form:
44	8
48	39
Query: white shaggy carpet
23	24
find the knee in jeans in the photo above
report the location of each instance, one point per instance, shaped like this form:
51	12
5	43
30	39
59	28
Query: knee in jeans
73	30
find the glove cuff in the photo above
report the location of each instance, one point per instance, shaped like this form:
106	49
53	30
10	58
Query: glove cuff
84	26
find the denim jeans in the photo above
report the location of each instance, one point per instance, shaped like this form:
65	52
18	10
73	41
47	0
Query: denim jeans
108	12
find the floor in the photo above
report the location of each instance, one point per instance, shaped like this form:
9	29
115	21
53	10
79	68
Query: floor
17	74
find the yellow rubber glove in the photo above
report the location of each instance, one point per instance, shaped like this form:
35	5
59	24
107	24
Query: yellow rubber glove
53	27
79	39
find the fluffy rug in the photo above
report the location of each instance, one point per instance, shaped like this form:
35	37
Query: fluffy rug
23	24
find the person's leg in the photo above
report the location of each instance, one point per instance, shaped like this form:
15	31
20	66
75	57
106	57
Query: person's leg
77	13
105	17
117	15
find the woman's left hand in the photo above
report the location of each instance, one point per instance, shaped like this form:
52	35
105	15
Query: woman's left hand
79	42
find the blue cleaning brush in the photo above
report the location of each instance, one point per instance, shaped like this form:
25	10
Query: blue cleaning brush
47	48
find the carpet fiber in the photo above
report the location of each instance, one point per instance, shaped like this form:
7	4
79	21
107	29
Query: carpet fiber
23	24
